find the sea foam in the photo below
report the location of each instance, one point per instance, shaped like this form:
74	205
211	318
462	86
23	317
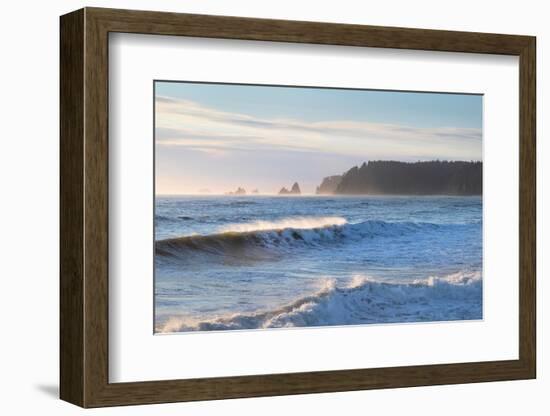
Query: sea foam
362	300
298	223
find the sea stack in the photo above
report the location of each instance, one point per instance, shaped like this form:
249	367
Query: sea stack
295	190
239	191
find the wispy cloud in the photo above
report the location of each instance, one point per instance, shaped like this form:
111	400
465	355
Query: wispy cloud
186	123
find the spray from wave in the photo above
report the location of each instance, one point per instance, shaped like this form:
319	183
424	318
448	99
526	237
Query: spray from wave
361	301
298	223
251	242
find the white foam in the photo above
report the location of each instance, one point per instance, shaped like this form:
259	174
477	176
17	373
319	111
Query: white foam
362	301
300	223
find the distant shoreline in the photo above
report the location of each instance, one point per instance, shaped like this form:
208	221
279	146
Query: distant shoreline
320	195
384	178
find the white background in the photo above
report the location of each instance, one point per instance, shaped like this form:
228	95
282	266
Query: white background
29	217
311	349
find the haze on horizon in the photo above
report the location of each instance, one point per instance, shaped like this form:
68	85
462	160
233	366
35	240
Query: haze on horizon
219	137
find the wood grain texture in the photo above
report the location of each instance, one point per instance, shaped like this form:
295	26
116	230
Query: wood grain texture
71	100
527	207
84	207
96	209
225	27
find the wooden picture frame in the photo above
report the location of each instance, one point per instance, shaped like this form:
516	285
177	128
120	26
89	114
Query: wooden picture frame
84	207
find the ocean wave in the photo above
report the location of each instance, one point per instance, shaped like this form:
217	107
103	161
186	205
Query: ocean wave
298	223
264	240
166	218
242	203
362	301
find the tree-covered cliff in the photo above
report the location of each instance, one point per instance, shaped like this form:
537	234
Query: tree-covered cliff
420	178
329	185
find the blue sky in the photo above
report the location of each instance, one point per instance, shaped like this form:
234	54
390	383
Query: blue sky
219	136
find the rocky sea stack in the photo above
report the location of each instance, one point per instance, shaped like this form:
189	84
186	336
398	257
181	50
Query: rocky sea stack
295	190
239	191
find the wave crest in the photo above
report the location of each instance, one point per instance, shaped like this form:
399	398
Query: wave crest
268	240
297	223
362	301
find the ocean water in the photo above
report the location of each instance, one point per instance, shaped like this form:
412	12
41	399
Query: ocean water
251	262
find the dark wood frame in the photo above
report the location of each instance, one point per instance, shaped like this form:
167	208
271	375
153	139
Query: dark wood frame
84	207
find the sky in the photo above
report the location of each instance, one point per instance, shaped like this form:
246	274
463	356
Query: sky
214	138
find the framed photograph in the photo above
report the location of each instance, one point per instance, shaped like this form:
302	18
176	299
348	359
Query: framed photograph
255	207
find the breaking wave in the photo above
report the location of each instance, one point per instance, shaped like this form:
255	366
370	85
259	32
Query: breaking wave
266	240
299	223
362	301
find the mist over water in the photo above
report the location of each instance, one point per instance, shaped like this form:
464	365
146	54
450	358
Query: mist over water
229	262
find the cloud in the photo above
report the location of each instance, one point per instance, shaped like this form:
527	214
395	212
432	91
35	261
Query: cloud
187	123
